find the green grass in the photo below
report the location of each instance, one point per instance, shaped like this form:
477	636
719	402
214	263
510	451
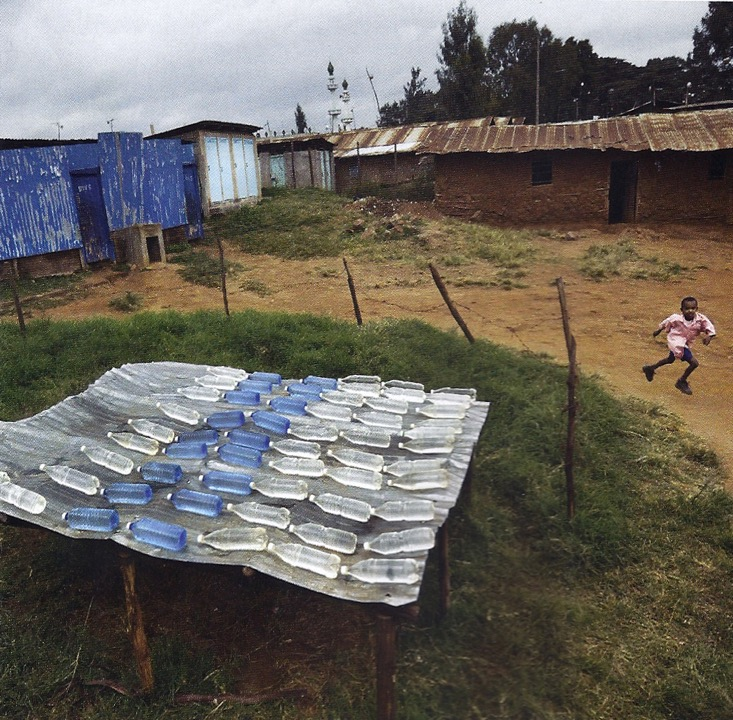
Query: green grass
622	259
622	613
129	302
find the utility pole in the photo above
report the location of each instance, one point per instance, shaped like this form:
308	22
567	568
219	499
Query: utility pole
537	84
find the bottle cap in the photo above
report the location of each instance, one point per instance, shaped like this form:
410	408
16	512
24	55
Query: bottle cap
344	570
83	448
270	546
199	538
291	527
367	546
109	434
42	466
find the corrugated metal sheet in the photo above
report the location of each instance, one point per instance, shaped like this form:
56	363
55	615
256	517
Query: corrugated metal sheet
163	185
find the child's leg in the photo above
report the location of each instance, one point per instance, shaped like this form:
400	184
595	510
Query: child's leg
692	364
648	370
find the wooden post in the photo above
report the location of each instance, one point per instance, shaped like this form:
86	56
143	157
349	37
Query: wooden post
16	300
135	624
223	273
386	665
352	290
443	570
453	311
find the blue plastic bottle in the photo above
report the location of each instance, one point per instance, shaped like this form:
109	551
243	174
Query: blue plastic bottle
187	450
160	472
197	502
225	420
247	438
288	405
271	421
258	386
208	436
310	392
242	397
90	518
327	383
260	376
161	534
128	493
240	455
227	482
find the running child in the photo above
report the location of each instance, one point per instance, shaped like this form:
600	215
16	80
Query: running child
682	328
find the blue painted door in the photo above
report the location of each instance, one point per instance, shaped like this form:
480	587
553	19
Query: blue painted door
96	242
194	213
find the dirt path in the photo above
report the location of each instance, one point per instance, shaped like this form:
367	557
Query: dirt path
612	320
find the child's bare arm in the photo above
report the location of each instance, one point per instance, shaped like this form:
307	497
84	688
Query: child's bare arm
657	331
706	340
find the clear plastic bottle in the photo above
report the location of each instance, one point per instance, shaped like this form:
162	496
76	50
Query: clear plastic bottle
379	420
431	480
208	436
343	397
91	518
308	429
340	541
450	398
305	467
27	500
367	385
307	558
357	458
203	394
189	450
130	441
153	430
72	478
398	406
448	424
298	448
428	446
222	370
356	477
235	539
411	510
160	472
413	540
443	410
404	385
269	377
108	458
370	437
240	455
242	397
197	502
217	382
406	467
403	571
404	390
271	421
225	419
247	438
288	405
128	493
328	411
443	435
327	383
459	392
158	533
181	413
227	482
349	508
285	488
261	514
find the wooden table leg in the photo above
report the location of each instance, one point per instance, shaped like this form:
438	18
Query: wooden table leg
386	665
443	570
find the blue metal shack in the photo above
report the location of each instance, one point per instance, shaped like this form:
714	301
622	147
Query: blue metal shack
61	207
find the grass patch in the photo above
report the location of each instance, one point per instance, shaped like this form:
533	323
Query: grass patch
37	294
201	268
129	302
256	286
622	259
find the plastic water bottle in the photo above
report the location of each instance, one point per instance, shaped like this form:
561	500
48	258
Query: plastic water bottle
240	455
248	385
225	420
91	518
404	390
130	441
451	398
398	406
160	472
357	458
153	430
371	437
368	379
217	382
288	405
208	436
285	488
298	448
405	467
307	429
227	482
376	419
458	392
242	397
181	413
268	377
432	480
328	411
187	450
261	514
327	383
367	385
448	424
428	446
305	392
271	421
442	410
27	500
404	385
442	435
72	478
108	458
356	477
197	502
413	510
343	397
413	540
247	438
305	467
307	558
340	541
158	533
235	539
377	570
236	373
349	508
203	394
128	493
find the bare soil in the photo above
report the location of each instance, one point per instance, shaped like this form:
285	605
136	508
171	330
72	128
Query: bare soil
612	319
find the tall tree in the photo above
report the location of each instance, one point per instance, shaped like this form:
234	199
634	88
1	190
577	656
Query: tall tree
301	123
712	55
463	66
418	105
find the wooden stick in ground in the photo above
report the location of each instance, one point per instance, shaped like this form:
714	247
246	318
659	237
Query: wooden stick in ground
572	402
223	272
18	306
453	311
352	290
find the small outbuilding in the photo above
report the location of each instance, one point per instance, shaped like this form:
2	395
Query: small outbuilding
298	161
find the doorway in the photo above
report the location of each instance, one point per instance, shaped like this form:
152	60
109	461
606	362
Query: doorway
622	191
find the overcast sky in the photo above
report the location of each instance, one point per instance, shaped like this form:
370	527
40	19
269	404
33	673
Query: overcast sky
92	65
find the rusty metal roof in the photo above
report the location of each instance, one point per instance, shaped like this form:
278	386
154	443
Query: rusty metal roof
696	131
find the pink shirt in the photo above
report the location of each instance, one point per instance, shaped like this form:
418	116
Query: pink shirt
681	333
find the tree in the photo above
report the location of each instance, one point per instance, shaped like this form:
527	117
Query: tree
301	123
463	67
711	60
418	104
